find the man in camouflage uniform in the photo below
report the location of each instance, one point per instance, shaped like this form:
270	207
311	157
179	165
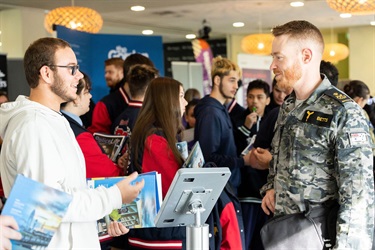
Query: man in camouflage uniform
322	149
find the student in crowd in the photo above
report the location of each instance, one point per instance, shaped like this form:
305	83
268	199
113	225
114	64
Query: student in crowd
188	133
317	119
87	118
358	91
153	144
138	79
247	126
191	94
330	71
97	162
213	130
245	131
112	105
50	153
213	122
189	113
8	231
277	96
114	72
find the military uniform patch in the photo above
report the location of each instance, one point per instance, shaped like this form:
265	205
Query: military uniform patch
338	95
317	118
358	138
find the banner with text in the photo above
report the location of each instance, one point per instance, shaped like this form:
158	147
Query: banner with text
93	49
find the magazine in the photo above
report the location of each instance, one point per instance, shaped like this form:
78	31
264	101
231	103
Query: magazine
195	158
138	214
111	144
38	210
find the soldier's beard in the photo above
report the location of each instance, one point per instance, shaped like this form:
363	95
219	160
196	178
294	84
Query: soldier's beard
290	76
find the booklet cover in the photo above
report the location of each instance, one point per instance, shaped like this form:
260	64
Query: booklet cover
138	214
112	144
195	158
38	210
183	149
247	149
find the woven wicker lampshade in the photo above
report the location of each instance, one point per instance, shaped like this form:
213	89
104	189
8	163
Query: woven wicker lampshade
258	44
335	52
73	17
355	7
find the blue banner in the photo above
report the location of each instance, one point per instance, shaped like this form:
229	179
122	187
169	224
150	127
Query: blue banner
93	49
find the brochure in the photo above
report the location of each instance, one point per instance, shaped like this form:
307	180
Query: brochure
195	158
138	214
111	144
38	210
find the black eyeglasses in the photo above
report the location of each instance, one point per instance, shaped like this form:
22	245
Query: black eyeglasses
73	68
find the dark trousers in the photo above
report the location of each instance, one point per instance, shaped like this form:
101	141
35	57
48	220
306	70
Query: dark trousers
253	219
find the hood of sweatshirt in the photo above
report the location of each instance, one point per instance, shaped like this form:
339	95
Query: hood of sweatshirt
210	103
9	110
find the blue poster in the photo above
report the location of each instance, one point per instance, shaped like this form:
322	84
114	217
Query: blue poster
93	49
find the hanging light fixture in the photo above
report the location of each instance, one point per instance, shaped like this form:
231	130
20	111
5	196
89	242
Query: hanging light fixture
334	52
258	44
74	17
355	7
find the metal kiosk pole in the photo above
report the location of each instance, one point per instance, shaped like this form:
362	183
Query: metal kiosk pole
197	235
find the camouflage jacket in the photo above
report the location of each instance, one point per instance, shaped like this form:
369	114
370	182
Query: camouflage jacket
321	151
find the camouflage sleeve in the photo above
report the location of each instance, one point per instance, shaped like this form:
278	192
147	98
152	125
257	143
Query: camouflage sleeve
354	164
270	180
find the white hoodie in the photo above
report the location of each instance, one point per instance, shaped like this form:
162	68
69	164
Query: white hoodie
39	143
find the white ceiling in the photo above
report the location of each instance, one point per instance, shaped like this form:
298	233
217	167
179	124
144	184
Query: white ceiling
173	19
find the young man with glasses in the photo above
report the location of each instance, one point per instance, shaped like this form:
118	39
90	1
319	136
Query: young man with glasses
39	144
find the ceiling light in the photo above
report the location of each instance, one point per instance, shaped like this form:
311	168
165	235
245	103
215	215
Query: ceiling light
353	6
297	4
147	32
73	17
335	52
259	44
345	15
190	36
137	8
238	24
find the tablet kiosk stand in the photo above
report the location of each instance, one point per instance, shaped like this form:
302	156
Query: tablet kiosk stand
189	201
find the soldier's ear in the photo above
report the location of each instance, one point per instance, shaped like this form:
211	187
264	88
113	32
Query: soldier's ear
306	55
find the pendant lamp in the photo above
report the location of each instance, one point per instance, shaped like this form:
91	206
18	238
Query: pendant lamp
355	7
74	17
